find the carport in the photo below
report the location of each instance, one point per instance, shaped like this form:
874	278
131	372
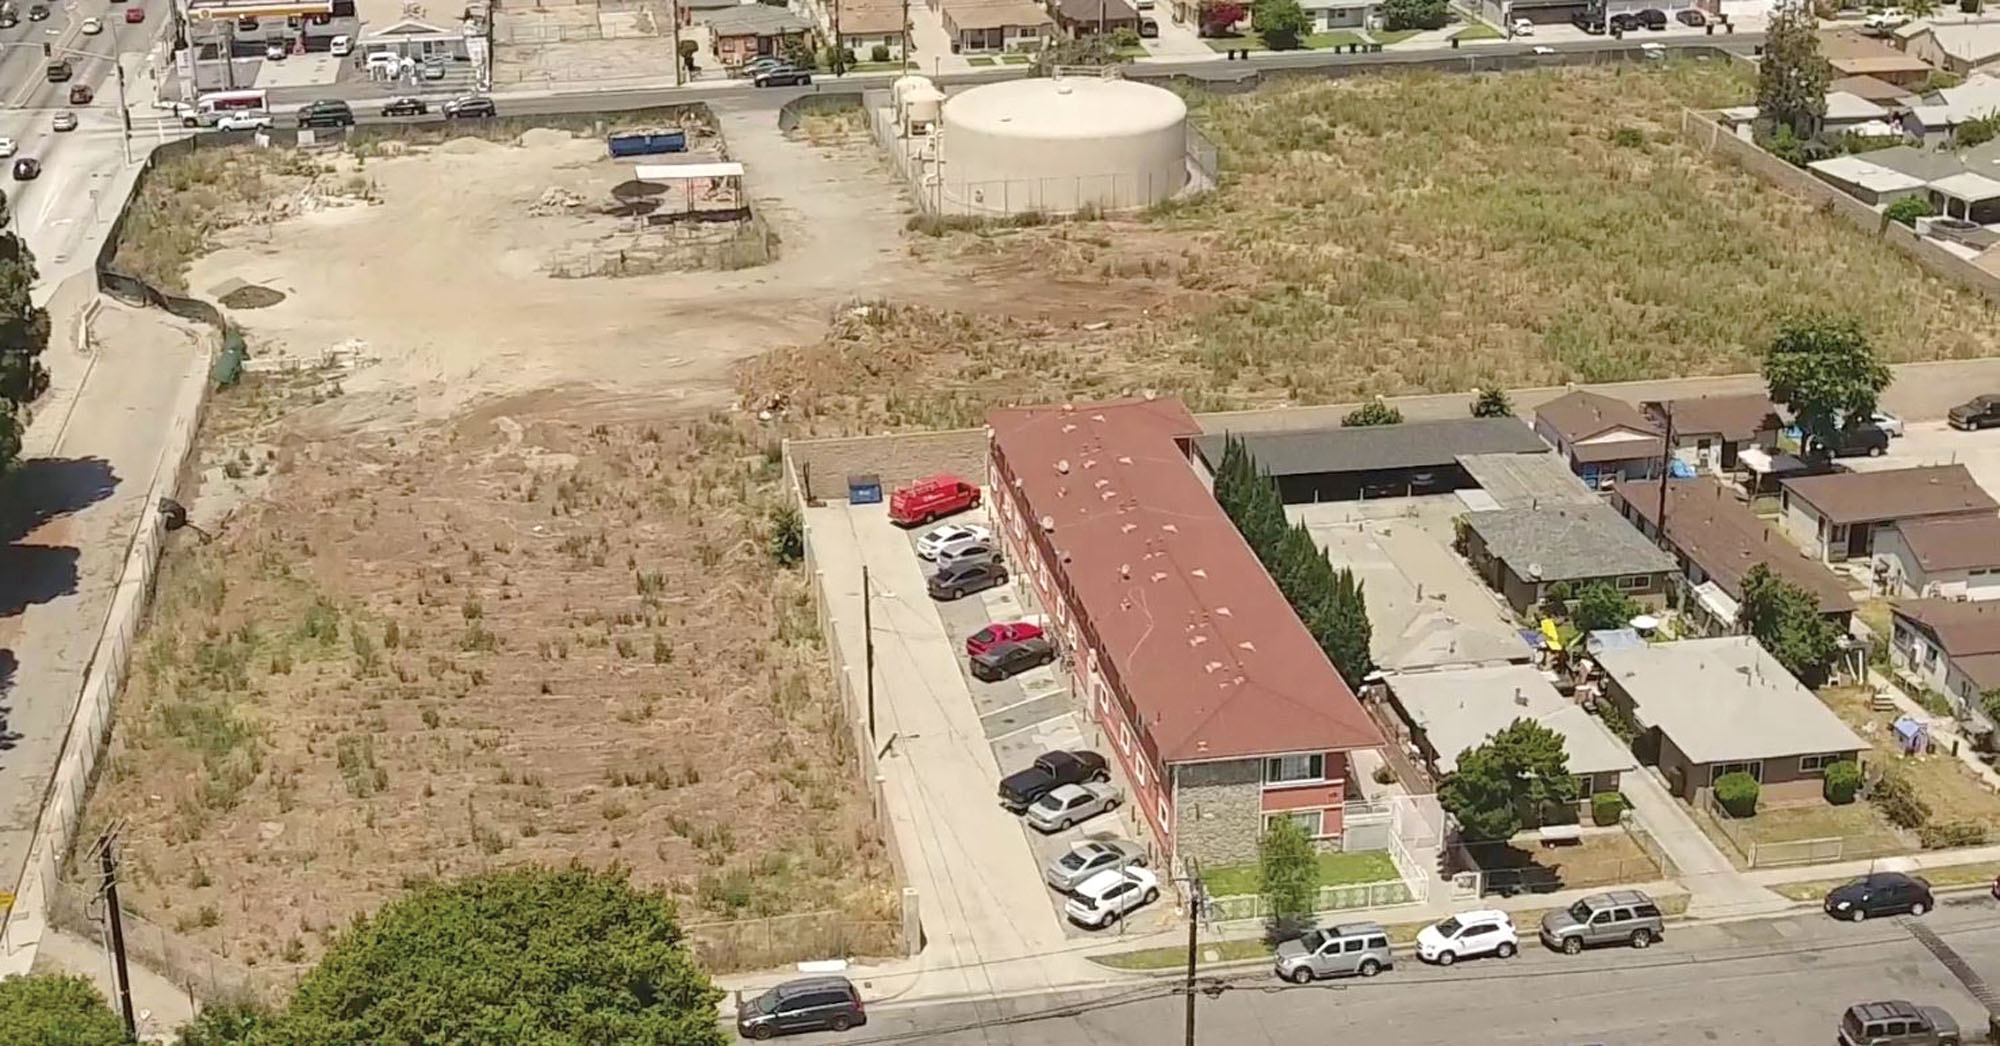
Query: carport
1375	461
1969	197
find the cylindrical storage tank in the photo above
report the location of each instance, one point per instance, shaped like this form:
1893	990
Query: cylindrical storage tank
900	90
921	105
1058	145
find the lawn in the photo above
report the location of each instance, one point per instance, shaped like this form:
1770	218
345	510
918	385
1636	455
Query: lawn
1600	858
1335	869
1479	31
981	61
1393	36
1860	827
1021	59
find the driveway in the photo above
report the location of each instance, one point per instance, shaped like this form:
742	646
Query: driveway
1936	443
1027	715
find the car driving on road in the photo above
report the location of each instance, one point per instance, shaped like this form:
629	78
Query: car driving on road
64	122
468	107
807	1004
405	106
1076	865
784	77
1897	1023
1882	893
1109	896
1467	935
27	169
80	94
245	121
326	112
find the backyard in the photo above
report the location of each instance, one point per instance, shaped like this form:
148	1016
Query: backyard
1573	237
1945	784
1599	858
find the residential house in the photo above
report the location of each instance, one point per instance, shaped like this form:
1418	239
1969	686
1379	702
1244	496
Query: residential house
1330	15
1081	18
1868	181
1451	710
1852	114
1949	557
1952	648
1875	89
1219	707
866	25
975	26
1718	540
1934	119
1346	463
1708	707
746	31
1709	432
1605	439
1851	53
1522	551
1836	516
1955	184
1955	43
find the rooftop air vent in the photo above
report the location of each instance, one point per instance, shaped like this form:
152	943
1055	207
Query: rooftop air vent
1062	466
1200	573
1048	524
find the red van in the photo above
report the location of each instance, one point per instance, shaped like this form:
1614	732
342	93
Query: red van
928	499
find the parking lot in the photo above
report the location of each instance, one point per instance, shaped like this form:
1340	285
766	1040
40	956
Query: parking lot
1936	443
1029	714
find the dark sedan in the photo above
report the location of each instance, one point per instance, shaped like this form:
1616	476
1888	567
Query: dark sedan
783	78
1012	659
1689	16
962	579
38	12
405	107
27	169
1883	893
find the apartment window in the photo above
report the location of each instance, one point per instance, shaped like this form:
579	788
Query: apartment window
1812	764
1633	582
1164	819
1754	768
1294	769
1309	821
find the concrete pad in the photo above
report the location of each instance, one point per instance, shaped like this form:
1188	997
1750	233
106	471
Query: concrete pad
1936	443
312	70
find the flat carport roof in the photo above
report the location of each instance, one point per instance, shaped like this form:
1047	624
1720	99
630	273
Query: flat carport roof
1527	480
1376	448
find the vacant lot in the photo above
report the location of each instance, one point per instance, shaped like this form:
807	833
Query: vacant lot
1397	234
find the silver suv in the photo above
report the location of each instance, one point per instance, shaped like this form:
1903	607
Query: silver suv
1359	949
1897	1023
1619	917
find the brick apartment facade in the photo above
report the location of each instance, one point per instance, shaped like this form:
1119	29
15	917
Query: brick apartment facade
1217	705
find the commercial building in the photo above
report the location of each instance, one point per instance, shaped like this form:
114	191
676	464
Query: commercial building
1708	707
1718	540
1217	705
1837	516
1950	557
1374	461
1522	551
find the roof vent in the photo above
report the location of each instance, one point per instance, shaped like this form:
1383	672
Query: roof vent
1089	462
1062	466
1197	639
1124	459
1221	611
1211	667
1159	576
1200	573
1068	407
1048	524
1128	528
1125	571
1247	645
1534	571
1170	528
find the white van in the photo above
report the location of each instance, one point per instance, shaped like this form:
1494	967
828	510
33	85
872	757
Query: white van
342	46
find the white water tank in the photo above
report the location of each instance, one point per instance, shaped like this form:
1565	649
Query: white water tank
921	106
900	91
1058	145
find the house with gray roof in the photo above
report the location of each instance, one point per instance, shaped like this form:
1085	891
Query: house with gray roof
1520	552
1453	709
1708	707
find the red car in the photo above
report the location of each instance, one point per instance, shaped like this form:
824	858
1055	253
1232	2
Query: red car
135	14
1003	632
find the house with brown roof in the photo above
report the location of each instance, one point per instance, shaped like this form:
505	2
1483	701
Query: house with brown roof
1217	704
1951	647
1604	439
1949	557
866	25
1850	53
1709	432
1088	17
1717	540
1837	516
995	25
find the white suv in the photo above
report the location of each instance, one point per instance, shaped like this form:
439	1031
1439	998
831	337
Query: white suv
1466	935
1107	896
947	540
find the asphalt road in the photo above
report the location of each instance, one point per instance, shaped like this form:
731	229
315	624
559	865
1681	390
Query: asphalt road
1770	982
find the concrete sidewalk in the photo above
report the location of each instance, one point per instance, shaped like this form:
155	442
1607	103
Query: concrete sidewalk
1718	889
1916	862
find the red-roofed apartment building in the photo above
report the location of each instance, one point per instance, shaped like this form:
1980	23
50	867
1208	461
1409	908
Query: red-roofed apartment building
1215	701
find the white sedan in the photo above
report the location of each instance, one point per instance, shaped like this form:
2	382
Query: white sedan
951	536
1107	897
8	147
1523	27
92	27
1888	423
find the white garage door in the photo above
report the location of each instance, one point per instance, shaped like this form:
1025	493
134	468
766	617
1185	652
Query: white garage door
1983	584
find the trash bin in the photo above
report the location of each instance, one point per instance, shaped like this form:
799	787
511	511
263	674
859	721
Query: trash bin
864	489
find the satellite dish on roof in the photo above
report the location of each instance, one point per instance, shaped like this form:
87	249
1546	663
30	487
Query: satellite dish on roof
1534	571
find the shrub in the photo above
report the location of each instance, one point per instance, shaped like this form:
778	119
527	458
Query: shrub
1384	775
1415	14
1606	808
879	53
788	535
1843	781
1898	799
1125	38
1628	138
1737	792
1373	412
1908	209
1946	834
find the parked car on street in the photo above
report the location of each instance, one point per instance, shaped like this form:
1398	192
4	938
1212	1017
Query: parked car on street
64	122
1619	917
1073	804
998	633
1653	18
1888	423
1588	22
38	12
950	537
135	14
1880	893
1012	659
928	500
762	64
962	579
1897	1023
8	19
1148	29
1108	896
1976	413
1466	935
782	78
1691	17
8	147
27	169
326	112
405	106
807	1004
1076	865
1346	950
251	120
80	94
467	107
1022	788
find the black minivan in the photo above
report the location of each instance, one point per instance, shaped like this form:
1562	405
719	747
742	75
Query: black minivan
809	1004
1854	442
326	112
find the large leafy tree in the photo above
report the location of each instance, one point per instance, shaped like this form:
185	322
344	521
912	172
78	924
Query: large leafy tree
526	957
1792	76
1518	771
1415	14
49	1009
1825	370
1786	620
1280	22
1601	606
24	333
1287	872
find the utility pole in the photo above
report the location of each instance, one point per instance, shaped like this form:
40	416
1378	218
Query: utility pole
904	55
108	862
1666	468
868	645
124	111
228	53
839	52
680	64
1195	895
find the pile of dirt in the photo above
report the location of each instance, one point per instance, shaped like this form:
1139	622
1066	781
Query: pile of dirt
556	200
251	296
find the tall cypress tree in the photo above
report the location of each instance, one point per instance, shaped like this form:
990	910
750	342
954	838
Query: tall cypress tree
1341	626
24	333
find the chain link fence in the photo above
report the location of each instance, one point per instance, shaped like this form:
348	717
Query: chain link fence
214	979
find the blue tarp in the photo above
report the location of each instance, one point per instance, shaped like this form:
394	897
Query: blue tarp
1534	638
1680	469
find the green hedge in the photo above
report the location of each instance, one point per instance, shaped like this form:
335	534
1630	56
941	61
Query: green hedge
1737	793
1843	782
1606	808
1946	834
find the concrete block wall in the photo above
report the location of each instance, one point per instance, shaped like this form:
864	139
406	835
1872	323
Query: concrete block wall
820	467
